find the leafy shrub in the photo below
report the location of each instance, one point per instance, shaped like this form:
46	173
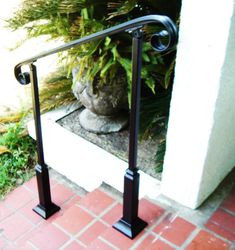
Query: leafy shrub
17	158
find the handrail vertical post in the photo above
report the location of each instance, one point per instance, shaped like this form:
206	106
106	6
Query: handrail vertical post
45	208
130	224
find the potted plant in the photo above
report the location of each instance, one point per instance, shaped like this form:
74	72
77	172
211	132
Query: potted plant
95	66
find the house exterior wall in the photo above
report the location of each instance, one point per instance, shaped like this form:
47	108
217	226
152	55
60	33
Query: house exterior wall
201	133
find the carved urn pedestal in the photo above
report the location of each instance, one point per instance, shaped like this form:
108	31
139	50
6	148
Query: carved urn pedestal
106	106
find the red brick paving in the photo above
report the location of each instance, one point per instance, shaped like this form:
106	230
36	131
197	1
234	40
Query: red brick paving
73	201
216	228
61	194
175	230
85	223
96	201
99	245
117	239
49	238
74	220
18	198
3	243
113	215
92	232
14	226
222	221
74	246
229	202
146	242
28	212
4	211
159	245
149	212
32	186
207	241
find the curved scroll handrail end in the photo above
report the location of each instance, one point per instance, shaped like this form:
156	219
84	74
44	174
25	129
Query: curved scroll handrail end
22	77
170	32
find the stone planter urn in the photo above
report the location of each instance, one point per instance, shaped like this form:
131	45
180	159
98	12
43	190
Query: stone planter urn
106	106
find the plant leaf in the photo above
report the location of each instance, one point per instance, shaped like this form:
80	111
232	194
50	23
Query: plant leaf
106	67
4	149
107	41
121	8
168	74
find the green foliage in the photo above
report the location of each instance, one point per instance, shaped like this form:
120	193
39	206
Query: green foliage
72	19
17	160
154	114
159	157
55	90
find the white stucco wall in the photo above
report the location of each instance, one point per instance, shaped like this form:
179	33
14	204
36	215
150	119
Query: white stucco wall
201	133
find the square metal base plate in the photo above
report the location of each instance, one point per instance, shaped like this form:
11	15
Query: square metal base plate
45	213
130	230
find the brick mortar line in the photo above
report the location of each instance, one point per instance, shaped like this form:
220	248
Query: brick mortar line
140	240
112	192
14	244
149	229
158	220
190	238
108	243
76	234
10	214
89	225
70	241
6	241
232	247
217	235
158	236
68	200
27	188
22	235
29	220
73	237
168	242
80	242
98	217
227	211
32	245
13	210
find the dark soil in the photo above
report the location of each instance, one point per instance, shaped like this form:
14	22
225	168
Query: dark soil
116	143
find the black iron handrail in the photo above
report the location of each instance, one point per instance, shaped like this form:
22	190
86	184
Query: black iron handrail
130	224
128	26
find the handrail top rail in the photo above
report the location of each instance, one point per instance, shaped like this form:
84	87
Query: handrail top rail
136	23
